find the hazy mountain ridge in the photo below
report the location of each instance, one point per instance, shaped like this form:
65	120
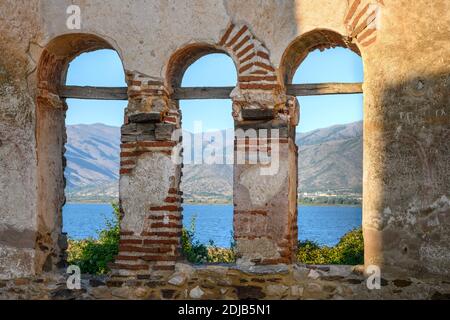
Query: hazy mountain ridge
92	153
329	159
333	133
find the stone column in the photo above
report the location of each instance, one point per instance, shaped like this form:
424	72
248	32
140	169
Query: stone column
150	201
50	241
265	177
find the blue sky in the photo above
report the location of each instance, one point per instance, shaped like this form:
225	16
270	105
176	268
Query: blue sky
103	68
97	68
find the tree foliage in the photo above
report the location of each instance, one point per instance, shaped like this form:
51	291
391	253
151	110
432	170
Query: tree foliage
93	256
349	251
196	252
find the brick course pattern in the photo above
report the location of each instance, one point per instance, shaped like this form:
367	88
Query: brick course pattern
361	21
255	71
149	125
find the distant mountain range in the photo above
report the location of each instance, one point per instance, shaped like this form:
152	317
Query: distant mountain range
92	171
330	159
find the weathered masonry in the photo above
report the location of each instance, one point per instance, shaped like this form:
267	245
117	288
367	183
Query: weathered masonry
405	48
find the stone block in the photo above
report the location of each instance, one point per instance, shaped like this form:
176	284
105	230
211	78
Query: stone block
249	292
196	293
164	131
145	117
257	114
177	280
276	290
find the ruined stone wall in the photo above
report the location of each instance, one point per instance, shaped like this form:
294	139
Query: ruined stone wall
187	282
406	122
19	29
406	146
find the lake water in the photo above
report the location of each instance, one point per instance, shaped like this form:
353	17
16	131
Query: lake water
325	225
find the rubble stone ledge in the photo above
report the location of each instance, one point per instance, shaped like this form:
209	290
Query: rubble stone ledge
294	282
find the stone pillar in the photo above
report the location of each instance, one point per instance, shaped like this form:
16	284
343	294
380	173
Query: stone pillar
150	201
265	190
50	241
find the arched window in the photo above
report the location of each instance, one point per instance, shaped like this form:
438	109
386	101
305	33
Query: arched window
89	160
93	145
324	70
330	141
208	142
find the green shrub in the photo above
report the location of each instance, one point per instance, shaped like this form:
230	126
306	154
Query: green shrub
349	251
220	255
192	249
350	248
93	256
309	252
198	253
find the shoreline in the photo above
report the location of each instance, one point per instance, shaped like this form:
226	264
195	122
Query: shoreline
226	204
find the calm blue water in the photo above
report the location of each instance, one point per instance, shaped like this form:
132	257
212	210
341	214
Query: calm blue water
325	225
82	220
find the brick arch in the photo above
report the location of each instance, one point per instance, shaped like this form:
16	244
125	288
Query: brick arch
50	140
250	56
361	19
299	49
185	57
60	51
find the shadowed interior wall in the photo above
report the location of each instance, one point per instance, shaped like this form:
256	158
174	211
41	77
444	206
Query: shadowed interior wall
406	111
